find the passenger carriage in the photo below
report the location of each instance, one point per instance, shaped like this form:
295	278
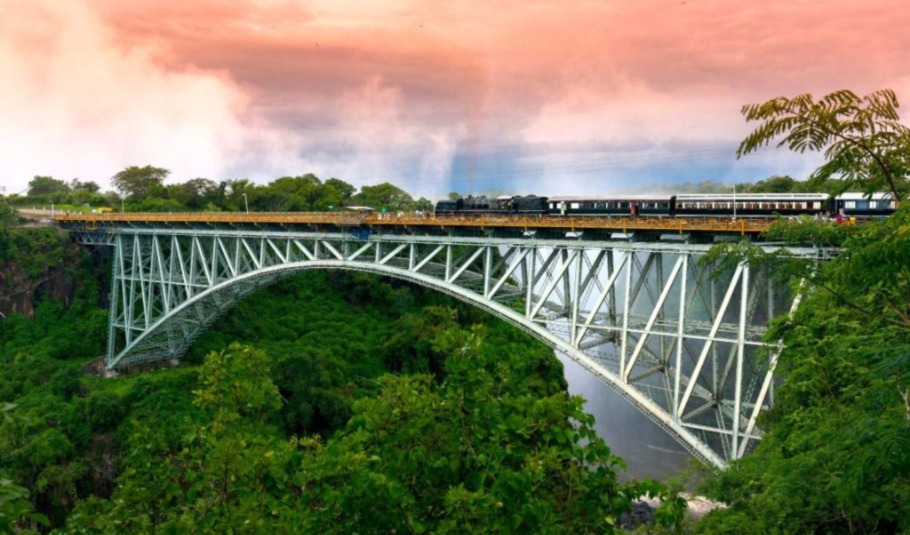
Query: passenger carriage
656	205
863	206
751	204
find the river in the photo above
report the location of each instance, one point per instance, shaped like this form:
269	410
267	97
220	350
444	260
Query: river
646	448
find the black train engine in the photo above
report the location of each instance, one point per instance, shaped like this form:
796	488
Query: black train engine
504	205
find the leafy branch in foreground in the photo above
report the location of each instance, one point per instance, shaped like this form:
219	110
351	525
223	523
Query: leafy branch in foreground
805	230
835	457
863	140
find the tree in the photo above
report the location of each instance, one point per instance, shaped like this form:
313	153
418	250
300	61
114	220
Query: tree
137	183
343	188
835	456
234	191
385	195
7	215
474	453
862	138
194	194
423	204
15	509
776	184
224	473
89	186
47	186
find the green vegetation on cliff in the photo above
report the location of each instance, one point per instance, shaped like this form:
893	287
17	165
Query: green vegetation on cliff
285	417
836	455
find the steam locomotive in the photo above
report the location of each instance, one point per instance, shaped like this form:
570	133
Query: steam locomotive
751	205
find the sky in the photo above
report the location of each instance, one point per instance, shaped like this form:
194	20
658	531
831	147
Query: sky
517	96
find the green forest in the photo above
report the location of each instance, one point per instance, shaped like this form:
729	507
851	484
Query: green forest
335	402
374	407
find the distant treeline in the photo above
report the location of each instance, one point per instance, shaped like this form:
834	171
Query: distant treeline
772	184
143	189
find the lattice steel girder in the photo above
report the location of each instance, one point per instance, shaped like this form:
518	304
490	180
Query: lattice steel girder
678	339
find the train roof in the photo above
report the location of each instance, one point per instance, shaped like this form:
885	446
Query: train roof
857	196
752	197
619	197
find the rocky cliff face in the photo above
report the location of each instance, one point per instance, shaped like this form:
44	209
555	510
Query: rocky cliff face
37	264
20	291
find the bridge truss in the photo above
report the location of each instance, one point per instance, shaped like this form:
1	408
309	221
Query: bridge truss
679	338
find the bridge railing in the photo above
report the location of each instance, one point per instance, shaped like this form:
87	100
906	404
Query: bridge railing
680	225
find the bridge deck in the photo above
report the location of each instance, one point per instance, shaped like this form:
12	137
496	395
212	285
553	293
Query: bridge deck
617	224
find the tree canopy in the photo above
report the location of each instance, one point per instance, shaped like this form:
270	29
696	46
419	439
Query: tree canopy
863	140
835	455
138	183
385	196
47	186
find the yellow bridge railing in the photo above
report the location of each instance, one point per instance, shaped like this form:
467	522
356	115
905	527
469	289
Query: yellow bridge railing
619	224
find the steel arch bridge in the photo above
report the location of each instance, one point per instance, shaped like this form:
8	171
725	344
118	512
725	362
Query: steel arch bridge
679	338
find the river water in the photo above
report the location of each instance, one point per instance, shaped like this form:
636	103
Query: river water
646	448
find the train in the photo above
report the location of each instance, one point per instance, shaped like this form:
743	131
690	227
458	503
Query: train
722	205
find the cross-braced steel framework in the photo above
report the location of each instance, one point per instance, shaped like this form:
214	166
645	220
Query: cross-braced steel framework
679	338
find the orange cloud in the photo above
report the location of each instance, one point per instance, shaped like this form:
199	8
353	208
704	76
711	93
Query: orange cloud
404	89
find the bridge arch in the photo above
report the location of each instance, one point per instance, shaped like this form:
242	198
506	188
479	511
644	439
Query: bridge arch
268	275
681	341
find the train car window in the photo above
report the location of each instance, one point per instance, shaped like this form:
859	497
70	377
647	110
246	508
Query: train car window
873	205
850	204
574	205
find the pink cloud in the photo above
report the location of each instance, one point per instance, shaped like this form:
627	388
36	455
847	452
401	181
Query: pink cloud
398	88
